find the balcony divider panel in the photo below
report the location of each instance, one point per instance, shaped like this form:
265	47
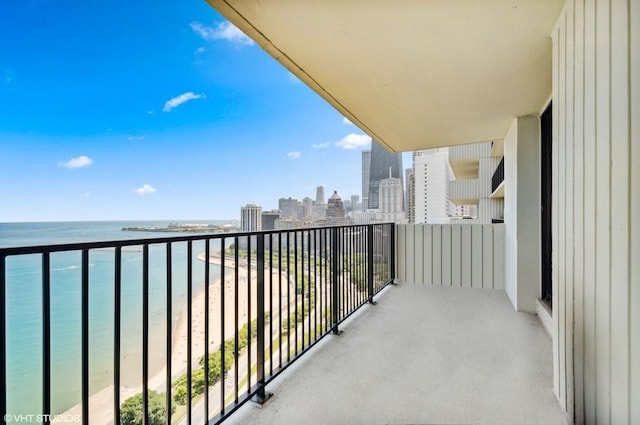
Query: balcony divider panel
411	255
436	254
418	256
401	242
487	256
476	257
446	255
466	256
427	272
456	255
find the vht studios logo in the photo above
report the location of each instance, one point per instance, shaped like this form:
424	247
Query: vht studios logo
10	418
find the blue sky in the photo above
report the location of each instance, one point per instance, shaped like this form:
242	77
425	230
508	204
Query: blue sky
155	110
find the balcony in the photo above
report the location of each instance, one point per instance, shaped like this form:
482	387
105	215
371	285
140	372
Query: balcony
467	192
449	350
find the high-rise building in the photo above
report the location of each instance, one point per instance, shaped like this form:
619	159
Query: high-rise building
432	174
319	212
411	196
269	219
335	210
390	200
366	170
288	207
307	205
251	218
381	162
355	203
320	195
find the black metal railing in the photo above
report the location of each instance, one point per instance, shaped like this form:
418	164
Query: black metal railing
498	176
267	298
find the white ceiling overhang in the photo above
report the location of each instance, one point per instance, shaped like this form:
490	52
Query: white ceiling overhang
412	74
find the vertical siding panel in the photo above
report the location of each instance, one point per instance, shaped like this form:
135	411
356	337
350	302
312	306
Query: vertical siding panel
446	255
418	236
589	213
401	257
578	208
634	299
498	256
555	205
487	256
476	256
603	245
411	253
437	254
569	208
456	255
619	208
427	272
603	212
466	255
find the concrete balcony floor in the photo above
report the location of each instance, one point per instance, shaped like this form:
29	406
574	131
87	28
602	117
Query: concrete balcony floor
422	355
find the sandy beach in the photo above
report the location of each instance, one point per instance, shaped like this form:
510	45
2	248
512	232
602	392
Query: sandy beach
101	403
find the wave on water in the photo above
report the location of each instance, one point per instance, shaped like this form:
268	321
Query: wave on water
75	267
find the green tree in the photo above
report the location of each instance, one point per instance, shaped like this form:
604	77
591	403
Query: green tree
131	410
180	386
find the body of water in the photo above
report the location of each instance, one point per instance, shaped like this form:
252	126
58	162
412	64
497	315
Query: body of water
24	308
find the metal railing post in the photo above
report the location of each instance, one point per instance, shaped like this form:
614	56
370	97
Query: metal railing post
46	336
335	305
370	264
3	341
392	245
261	395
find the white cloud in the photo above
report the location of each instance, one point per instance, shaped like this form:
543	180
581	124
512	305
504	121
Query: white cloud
354	141
294	154
86	195
321	145
79	162
222	31
132	138
346	120
145	189
179	100
200	50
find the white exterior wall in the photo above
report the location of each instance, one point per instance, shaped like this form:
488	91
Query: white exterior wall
596	210
522	212
432	175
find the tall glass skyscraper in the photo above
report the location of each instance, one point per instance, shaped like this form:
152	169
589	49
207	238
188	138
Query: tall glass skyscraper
366	169
381	162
